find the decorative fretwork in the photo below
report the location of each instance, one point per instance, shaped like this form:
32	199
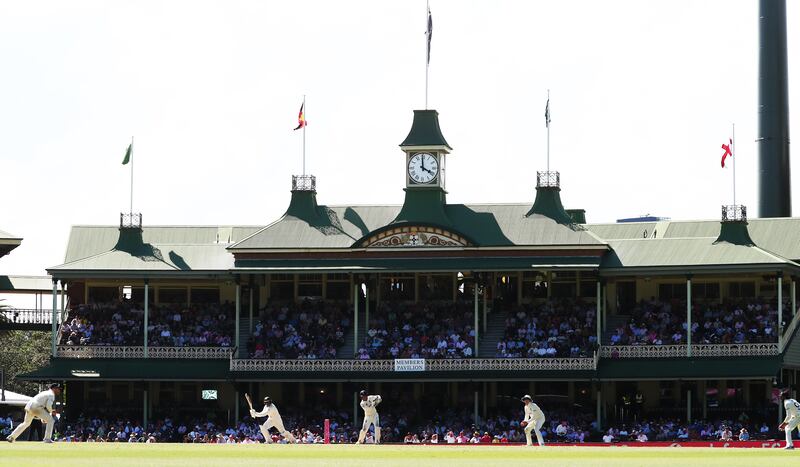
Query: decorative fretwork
109	351
131	220
548	180
416	236
734	213
698	350
475	364
304	183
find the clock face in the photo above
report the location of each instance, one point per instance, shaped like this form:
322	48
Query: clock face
423	167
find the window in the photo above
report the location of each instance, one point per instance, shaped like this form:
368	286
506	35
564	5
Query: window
205	295
103	294
668	292
436	287
742	289
705	290
564	284
534	284
338	290
172	295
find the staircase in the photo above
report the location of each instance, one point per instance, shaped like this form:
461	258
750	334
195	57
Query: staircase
347	351
612	323
495	328
244	336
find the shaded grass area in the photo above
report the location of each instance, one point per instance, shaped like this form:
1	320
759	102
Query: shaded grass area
196	455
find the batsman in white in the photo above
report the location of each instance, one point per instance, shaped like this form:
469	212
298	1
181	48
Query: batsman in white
792	419
369	404
273	421
41	407
534	420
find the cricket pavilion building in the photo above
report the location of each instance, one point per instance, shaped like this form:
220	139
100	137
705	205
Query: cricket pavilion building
490	258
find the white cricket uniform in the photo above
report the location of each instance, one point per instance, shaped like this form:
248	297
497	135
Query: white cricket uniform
792	419
40	406
274	420
371	418
535	418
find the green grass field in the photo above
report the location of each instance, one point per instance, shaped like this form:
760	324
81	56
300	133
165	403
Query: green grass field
195	455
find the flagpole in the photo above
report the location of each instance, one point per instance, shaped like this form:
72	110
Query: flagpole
427	56
733	153
305	112
131	211
548	130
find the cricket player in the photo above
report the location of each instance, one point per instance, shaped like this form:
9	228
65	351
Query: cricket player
792	419
273	421
41	407
369	404
534	420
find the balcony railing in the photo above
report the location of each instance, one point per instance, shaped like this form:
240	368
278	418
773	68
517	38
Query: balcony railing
27	315
698	350
475	364
734	213
548	179
109	351
304	183
130	220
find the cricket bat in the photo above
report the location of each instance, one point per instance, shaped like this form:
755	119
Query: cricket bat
249	401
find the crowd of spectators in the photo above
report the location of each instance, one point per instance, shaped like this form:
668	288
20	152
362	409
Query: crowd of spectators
122	323
556	328
728	322
446	426
700	430
308	330
420	330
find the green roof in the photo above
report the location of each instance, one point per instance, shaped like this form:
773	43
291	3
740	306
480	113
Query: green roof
25	284
425	130
689	255
778	235
485	224
8	242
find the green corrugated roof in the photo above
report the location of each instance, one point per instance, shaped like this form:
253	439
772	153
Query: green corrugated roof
486	224
26	283
690	255
85	241
778	235
454	263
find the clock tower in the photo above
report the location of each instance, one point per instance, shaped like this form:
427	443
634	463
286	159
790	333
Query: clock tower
425	151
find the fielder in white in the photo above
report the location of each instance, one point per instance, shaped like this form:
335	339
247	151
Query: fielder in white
534	420
41	407
273	421
792	419
369	404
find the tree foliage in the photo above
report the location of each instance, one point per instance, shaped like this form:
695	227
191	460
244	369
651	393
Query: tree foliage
23	352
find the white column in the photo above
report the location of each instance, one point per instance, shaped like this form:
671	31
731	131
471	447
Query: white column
63	303
54	326
599	405
146	314
688	316
366	305
794	297
780	309
598	307
238	313
475	412
144	406
355	320
250	326
477	331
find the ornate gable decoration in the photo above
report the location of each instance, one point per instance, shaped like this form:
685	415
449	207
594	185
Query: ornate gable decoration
415	236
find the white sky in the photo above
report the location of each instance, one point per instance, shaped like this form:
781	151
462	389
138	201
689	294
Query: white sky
642	96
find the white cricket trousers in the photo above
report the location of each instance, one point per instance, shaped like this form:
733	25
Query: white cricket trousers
535	425
373	420
30	414
790	427
277	424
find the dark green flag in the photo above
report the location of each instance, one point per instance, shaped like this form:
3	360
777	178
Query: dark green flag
128	154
